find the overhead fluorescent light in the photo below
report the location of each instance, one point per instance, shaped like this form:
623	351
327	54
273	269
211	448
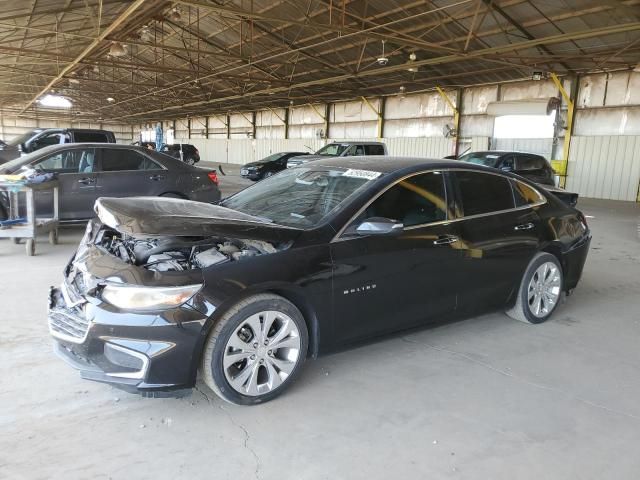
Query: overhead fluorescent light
55	101
117	50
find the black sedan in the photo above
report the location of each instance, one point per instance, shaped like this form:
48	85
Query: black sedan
87	171
318	257
268	166
529	165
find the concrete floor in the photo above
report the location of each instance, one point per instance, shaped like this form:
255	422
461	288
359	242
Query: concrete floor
486	398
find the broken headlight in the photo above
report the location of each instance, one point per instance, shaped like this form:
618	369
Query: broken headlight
147	298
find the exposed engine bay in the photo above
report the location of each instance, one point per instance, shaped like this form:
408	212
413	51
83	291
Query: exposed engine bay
182	253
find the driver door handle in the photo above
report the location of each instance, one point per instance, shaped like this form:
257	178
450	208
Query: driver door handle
445	240
87	181
156	177
524	226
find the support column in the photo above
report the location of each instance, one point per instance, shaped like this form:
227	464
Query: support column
286	123
327	117
379	113
206	126
254	116
560	166
456	117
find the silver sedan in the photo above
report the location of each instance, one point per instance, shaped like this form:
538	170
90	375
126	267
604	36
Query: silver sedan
87	171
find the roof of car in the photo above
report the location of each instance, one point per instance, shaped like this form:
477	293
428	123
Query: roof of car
501	152
355	142
385	164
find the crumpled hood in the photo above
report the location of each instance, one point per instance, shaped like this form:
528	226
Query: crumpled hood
157	216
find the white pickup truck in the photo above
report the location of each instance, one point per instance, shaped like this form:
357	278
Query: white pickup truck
341	149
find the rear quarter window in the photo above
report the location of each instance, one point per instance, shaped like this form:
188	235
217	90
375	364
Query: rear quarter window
525	195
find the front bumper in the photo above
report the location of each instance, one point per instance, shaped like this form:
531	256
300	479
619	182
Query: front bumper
138	352
251	174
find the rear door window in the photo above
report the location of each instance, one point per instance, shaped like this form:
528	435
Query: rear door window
115	160
90	137
374	150
482	193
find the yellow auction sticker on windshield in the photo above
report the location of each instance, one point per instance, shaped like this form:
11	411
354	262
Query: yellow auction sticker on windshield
367	174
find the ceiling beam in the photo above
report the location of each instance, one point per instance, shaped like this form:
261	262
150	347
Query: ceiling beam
595	32
106	32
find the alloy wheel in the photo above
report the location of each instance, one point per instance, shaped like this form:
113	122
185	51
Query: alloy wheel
261	353
544	289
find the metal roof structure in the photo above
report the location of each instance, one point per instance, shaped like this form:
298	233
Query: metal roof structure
156	59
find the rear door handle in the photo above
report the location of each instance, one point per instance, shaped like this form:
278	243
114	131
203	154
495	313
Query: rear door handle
87	181
524	226
445	240
156	177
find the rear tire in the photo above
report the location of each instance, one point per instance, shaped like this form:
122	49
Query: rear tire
256	350
540	290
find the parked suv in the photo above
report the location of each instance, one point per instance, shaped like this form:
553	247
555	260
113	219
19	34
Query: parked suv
43	137
185	152
341	149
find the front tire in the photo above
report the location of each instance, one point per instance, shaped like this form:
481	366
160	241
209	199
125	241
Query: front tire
256	350
540	290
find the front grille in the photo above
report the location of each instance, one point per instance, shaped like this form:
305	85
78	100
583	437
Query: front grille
68	325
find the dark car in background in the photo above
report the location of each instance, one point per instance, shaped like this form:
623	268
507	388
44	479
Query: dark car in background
528	165
89	171
44	137
268	166
314	259
184	152
342	149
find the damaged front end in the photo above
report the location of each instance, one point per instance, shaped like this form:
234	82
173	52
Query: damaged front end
130	310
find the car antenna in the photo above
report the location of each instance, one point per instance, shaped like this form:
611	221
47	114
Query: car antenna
221	170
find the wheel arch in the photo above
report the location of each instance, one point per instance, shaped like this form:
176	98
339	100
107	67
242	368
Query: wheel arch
555	249
288	292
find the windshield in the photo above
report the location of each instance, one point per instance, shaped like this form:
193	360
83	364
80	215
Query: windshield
487	159
300	197
333	149
24	137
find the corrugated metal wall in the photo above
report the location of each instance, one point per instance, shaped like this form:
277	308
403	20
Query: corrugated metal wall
541	146
244	150
606	166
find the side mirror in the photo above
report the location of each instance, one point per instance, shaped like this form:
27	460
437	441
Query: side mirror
379	226
506	168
